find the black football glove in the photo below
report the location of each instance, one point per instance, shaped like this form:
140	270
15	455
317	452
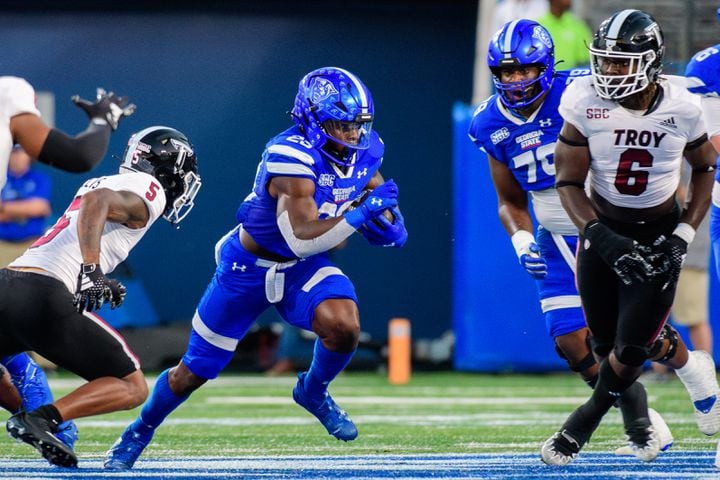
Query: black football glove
624	255
108	107
94	289
670	255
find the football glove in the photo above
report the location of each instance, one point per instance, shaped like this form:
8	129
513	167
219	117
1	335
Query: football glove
533	263
624	255
108	108
382	232
670	253
94	289
381	198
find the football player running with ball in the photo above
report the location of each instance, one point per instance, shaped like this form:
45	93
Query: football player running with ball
299	209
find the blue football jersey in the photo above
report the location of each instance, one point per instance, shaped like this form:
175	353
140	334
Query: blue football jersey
526	146
705	67
289	154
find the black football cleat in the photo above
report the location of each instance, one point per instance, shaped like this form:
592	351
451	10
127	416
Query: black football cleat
39	432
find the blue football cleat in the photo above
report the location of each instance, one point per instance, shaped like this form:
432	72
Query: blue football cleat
35	392
333	418
67	433
126	449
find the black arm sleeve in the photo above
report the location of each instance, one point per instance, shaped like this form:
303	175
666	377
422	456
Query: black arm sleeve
79	153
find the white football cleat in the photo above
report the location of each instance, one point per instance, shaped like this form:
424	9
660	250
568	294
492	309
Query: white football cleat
664	435
560	449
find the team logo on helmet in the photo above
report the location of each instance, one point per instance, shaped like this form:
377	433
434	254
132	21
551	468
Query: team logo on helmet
541	34
321	89
178	145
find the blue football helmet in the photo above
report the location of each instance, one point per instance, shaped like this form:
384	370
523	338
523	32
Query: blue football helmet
333	104
522	43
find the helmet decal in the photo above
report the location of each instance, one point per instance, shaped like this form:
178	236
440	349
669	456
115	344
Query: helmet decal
521	43
166	154
333	105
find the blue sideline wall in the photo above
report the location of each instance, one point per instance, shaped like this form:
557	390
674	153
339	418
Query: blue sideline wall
496	314
226	78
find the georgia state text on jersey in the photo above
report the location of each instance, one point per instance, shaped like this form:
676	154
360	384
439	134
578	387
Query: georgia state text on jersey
16	96
58	251
291	155
635	156
527	147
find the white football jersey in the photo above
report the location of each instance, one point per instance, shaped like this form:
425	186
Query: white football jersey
58	251
16	96
635	156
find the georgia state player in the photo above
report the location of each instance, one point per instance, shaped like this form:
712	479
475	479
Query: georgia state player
631	128
299	209
703	76
518	129
106	219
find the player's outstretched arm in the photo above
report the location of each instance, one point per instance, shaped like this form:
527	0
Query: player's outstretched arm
81	152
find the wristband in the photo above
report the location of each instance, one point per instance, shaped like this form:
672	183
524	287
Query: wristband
685	231
521	240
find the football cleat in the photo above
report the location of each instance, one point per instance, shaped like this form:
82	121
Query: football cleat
35	392
560	449
67	433
643	439
39	432
333	418
703	389
664	434
126	449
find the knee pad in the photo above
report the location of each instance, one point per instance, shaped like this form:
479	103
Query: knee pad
631	355
671	335
602	350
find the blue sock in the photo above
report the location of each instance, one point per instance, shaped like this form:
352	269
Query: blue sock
16	364
325	366
161	403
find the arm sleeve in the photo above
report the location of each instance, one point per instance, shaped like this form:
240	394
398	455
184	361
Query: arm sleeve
76	154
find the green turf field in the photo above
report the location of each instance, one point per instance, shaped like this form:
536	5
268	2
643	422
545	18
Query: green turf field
436	413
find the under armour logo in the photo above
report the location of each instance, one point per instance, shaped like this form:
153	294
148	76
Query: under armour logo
546	123
376	201
362	173
235	266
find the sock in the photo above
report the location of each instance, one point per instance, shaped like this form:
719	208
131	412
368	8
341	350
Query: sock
633	403
49	412
608	390
162	402
592	381
692	376
16	364
325	366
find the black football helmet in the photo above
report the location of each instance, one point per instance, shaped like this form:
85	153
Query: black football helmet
167	155
632	38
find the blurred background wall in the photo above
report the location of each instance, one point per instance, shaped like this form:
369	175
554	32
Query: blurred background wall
226	73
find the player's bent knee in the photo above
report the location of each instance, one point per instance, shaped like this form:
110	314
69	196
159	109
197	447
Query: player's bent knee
631	355
137	389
